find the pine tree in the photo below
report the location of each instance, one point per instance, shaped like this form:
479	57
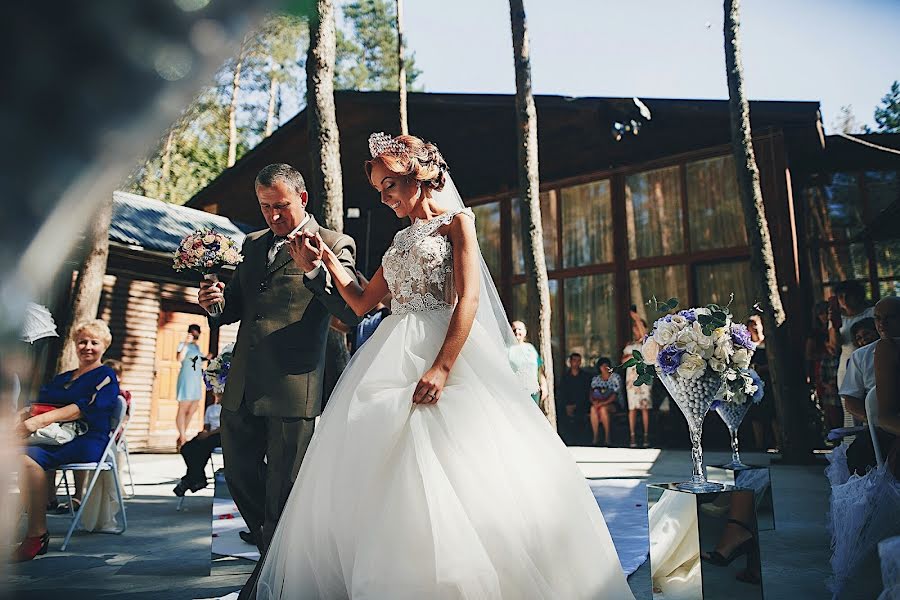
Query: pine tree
887	116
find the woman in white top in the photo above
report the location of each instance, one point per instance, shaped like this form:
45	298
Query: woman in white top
638	395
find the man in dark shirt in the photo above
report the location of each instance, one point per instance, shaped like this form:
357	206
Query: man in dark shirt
573	392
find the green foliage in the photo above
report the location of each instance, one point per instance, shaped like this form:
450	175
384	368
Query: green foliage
645	372
274	54
887	116
367	57
663	307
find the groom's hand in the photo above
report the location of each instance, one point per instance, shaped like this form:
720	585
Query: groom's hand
306	251
210	293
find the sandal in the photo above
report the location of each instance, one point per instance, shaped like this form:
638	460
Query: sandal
746	547
63	508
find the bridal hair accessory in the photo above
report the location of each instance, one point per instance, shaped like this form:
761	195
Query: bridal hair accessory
382	143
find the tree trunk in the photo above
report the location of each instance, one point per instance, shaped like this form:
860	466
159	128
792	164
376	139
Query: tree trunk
401	70
166	175
529	192
327	188
88	285
784	368
232	108
270	113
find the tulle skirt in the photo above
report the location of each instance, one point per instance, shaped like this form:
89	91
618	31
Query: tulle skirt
472	497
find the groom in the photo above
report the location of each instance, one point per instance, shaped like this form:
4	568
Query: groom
274	387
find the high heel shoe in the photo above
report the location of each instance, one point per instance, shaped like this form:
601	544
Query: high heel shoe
746	547
31	547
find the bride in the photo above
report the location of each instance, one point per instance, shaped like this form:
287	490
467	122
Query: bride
432	474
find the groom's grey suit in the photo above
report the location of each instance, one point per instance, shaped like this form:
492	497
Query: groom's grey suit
274	388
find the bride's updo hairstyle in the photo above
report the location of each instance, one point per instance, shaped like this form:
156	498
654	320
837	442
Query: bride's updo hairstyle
408	156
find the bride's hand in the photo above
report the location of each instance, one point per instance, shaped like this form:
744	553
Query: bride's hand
430	386
306	251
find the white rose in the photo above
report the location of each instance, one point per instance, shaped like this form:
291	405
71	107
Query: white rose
717	365
684	339
650	350
724	349
704	342
691	367
741	358
665	333
679	321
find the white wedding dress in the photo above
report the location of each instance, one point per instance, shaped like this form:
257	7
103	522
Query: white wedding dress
474	497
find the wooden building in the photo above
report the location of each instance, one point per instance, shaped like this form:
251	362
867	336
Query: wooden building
149	306
634	204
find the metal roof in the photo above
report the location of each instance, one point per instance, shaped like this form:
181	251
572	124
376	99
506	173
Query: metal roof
156	225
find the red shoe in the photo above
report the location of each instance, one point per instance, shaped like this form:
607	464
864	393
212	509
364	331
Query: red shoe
31	547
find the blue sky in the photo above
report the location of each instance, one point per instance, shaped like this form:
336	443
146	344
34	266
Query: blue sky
836	52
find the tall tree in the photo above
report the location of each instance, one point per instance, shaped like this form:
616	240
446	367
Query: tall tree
401	70
845	121
529	192
88	284
327	186
233	104
887	116
785	372
367	58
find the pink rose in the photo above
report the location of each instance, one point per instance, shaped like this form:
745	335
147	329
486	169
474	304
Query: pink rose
650	350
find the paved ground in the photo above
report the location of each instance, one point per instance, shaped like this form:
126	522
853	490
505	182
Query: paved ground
166	554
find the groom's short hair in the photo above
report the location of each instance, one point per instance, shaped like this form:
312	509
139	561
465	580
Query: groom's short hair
281	172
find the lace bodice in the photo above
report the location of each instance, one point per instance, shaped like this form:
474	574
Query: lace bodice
418	267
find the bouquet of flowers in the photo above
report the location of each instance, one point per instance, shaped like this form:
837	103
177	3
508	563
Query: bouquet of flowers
206	251
216	372
702	357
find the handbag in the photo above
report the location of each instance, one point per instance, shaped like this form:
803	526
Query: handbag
38	408
57	434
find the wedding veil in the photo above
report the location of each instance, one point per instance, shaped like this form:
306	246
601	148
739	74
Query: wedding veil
491	314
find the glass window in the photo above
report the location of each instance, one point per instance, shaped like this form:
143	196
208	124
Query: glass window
591	316
716	282
887	257
844	262
520	312
587	225
548	221
889	288
653	211
662	282
715	216
882	190
487	227
834	207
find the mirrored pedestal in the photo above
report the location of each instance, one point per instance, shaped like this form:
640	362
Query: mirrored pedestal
753	478
683	524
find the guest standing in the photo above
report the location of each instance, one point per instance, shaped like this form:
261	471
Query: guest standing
846	307
821	367
527	364
639	396
88	393
190	382
605	389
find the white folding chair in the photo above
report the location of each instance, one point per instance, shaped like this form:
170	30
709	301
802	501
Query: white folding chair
123	448
872	419
107	462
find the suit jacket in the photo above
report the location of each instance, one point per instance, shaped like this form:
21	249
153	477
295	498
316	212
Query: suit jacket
279	357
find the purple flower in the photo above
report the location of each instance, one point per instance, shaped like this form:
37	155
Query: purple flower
688	314
760	386
669	359
740	337
715	404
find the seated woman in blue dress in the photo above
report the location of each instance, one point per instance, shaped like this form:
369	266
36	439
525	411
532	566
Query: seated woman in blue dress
88	394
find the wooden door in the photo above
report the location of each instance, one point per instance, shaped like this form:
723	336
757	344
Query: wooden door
163	404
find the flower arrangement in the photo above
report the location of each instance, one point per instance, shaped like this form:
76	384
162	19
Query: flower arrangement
703	358
216	372
696	341
206	251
